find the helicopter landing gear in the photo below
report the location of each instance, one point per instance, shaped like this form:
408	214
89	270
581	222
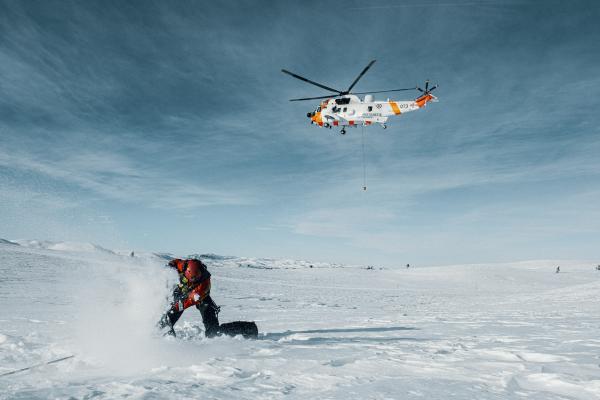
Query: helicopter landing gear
343	131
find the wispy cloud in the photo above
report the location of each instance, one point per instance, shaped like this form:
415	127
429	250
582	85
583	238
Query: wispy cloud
115	177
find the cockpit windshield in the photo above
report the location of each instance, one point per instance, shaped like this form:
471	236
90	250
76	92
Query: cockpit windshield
343	100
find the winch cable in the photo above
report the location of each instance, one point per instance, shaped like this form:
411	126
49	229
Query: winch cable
363	159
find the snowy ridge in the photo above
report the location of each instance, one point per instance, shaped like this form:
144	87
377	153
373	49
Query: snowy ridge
260	263
214	260
494	331
76	247
164	256
217	261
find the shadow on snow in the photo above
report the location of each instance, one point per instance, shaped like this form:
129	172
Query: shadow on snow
347	339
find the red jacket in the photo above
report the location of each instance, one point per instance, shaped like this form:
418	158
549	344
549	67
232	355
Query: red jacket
195	276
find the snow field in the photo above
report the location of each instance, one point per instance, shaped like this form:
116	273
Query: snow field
514	330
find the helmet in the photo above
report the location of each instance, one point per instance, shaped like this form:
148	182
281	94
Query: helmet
195	269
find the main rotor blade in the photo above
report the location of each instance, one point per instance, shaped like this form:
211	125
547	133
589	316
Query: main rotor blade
309	81
360	75
385	91
315	98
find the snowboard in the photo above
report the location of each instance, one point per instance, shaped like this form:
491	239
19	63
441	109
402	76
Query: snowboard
247	329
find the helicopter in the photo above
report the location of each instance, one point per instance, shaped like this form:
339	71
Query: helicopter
345	108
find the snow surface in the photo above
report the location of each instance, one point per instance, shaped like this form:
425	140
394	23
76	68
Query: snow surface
502	331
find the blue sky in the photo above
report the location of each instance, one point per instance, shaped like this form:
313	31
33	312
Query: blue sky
166	126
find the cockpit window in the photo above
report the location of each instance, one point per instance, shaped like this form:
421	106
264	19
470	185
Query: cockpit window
319	109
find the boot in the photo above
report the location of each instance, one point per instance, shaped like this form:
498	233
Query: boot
168	320
209	311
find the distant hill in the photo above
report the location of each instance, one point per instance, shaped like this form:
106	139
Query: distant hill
77	247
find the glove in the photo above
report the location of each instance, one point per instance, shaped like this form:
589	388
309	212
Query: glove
179	306
180	291
177	292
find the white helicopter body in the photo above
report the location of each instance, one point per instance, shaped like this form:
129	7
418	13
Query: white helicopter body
347	109
350	110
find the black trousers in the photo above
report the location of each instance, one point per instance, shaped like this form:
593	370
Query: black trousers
210	316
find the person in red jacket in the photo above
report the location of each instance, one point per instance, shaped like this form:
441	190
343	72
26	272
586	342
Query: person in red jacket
193	290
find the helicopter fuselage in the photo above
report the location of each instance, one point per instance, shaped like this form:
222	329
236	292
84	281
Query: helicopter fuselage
350	110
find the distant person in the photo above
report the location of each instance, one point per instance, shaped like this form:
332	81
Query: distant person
407	265
132	254
558	269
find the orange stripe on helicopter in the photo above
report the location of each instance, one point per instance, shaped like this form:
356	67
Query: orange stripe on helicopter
395	107
421	101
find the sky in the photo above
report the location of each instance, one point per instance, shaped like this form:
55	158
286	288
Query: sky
166	126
